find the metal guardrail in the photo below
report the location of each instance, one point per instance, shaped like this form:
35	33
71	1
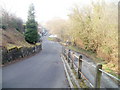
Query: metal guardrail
70	55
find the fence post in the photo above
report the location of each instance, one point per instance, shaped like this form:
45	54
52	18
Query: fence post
72	60
65	54
68	58
98	75
79	67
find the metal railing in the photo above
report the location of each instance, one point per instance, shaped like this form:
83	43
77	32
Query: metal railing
70	57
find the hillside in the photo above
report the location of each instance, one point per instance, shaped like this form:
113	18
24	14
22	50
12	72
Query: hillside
12	37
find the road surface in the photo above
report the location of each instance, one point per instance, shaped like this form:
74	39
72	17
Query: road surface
44	70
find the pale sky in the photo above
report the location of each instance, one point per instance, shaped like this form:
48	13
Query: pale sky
45	9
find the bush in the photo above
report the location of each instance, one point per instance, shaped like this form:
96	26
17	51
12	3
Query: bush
10	21
4	27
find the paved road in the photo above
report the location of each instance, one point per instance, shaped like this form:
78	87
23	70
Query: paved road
44	70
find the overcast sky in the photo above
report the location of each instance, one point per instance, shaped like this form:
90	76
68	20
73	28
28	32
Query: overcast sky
45	9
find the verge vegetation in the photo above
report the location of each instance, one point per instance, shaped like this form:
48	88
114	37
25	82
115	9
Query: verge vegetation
92	29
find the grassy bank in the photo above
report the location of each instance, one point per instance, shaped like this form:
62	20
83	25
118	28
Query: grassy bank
51	39
54	39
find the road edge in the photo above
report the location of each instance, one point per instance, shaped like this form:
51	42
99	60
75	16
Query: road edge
67	75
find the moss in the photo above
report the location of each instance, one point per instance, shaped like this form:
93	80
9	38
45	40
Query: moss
51	39
10	46
19	47
37	44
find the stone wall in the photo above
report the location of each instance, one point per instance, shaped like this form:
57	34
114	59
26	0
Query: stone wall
17	53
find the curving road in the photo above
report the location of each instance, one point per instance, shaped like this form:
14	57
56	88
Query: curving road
44	70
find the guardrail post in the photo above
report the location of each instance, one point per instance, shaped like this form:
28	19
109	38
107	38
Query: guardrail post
79	67
68	58
65	53
98	75
72	60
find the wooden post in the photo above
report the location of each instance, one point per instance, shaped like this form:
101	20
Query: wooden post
65	54
79	67
72	60
68	56
98	75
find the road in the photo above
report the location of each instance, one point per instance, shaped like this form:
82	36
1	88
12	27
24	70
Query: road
44	70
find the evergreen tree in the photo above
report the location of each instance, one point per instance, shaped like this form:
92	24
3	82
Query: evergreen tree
31	34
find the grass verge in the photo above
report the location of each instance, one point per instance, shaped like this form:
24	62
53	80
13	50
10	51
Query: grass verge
51	39
81	81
